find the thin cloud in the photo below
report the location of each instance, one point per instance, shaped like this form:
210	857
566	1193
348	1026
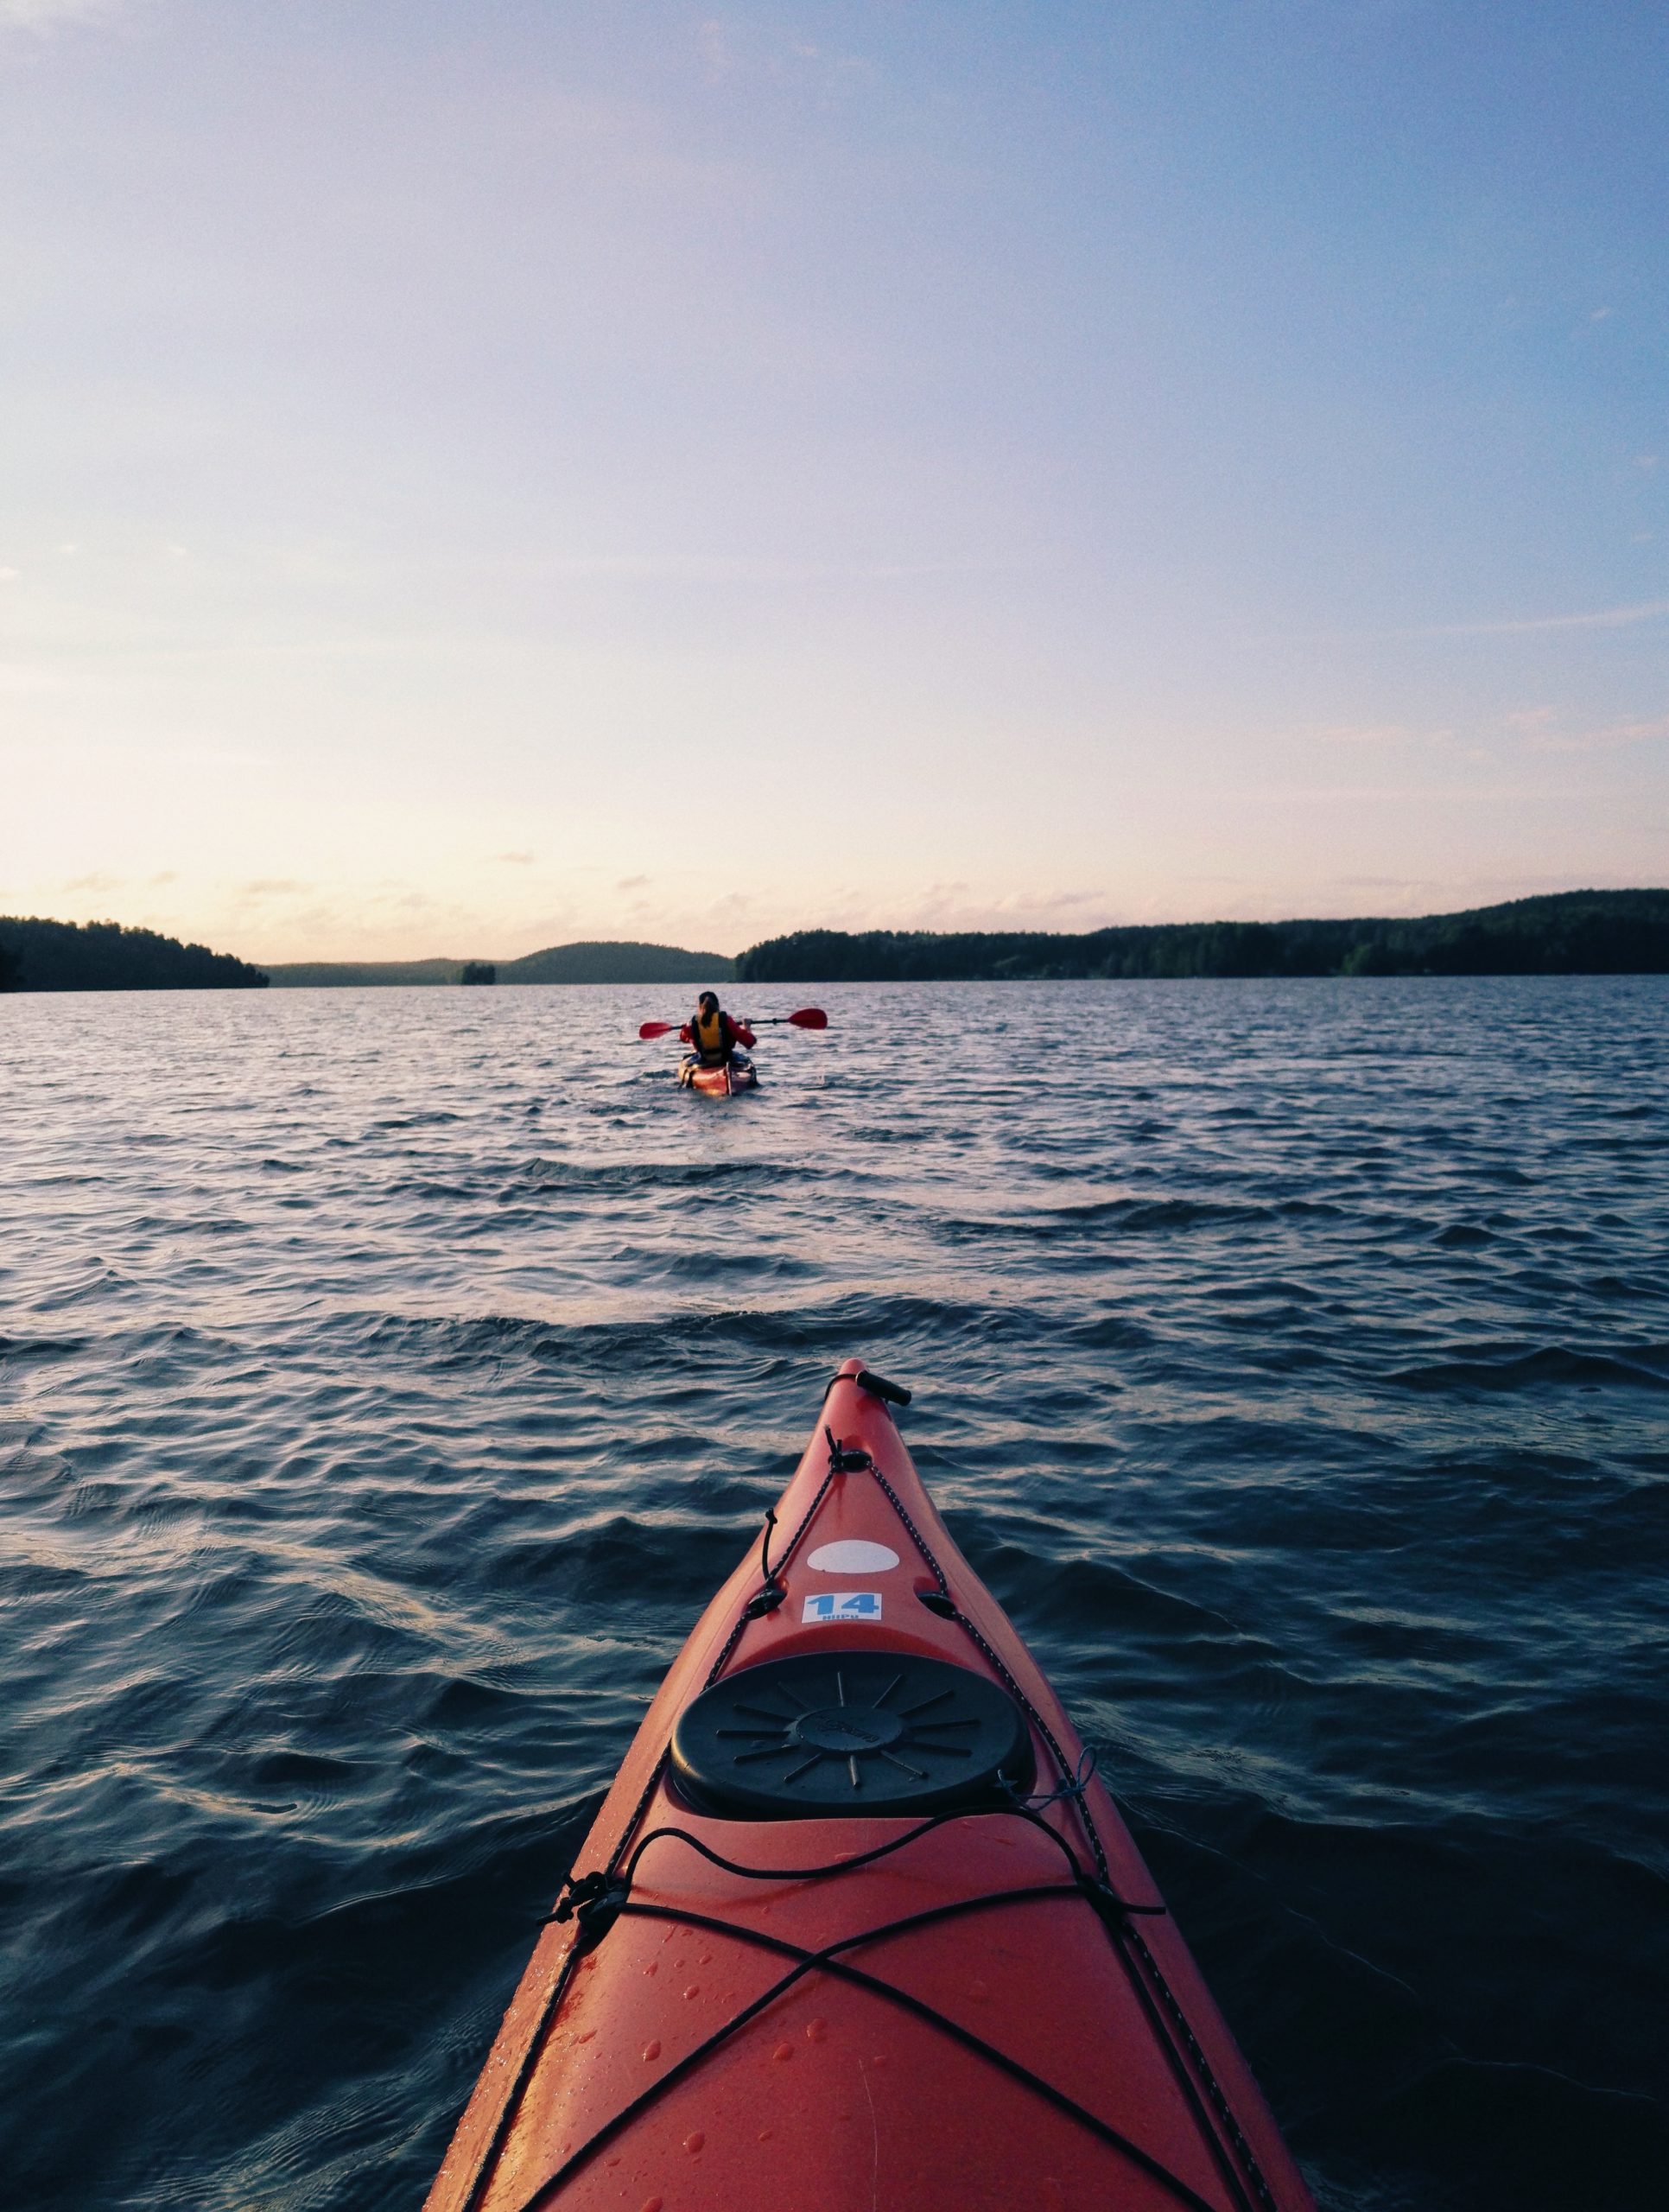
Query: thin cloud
1604	617
42	18
515	860
1521	730
727	50
1610	737
957	905
721	569
1370	734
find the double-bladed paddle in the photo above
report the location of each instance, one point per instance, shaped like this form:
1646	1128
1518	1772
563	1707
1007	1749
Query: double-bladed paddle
808	1017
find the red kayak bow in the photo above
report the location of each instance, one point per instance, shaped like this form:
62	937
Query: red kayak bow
856	1927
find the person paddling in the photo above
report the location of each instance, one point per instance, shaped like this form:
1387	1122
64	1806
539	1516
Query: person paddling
714	1035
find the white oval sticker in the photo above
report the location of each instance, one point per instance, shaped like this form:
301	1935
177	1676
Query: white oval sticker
852	1556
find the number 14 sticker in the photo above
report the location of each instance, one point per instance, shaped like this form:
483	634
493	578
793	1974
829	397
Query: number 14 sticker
843	1605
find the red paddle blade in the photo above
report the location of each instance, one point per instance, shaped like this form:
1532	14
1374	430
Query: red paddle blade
656	1028
810	1017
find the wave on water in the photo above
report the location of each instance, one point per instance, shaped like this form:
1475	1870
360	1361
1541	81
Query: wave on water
1493	1367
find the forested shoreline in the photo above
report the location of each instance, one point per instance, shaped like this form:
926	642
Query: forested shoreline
43	955
1564	933
1573	932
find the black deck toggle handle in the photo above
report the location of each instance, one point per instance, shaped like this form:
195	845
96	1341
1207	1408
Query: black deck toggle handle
878	1387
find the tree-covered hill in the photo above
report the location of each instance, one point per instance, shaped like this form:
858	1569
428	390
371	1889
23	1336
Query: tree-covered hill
336	974
617	961
43	955
610	961
1566	933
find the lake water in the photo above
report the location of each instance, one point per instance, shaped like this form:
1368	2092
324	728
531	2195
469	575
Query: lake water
387	1378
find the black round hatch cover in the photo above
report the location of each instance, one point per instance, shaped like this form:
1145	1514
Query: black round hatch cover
850	1733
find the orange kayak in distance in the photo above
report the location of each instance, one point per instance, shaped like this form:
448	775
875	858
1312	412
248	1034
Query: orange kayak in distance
858	1928
720	1081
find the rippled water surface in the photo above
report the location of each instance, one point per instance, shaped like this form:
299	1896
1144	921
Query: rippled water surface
387	1379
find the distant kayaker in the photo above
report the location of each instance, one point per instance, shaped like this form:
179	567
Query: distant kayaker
712	1033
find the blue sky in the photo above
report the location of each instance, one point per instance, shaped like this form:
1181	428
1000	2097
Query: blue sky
473	477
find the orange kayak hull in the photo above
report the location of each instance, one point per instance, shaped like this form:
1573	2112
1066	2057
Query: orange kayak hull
720	1081
993	2010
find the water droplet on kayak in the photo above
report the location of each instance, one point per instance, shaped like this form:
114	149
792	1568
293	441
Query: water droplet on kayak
816	2030
653	1967
705	1959
585	2035
765	2134
654	2203
978	1990
783	2050
694	1990
651	2051
693	2143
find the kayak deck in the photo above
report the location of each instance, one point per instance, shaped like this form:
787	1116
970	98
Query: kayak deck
977	2008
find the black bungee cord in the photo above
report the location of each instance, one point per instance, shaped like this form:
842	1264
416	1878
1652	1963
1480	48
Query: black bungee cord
827	1961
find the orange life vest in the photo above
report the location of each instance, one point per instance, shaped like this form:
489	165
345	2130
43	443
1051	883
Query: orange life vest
712	1036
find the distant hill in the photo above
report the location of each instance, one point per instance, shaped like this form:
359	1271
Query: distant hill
44	956
1566	933
617	962
603	962
308	975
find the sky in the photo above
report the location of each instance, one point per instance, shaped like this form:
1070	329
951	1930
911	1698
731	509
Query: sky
477	477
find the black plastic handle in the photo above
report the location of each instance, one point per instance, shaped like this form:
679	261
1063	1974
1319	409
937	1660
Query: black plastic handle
878	1387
